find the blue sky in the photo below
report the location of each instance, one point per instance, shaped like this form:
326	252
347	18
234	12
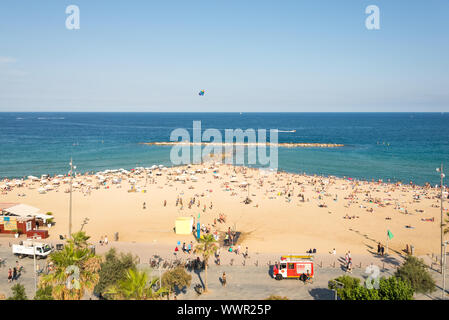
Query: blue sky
265	56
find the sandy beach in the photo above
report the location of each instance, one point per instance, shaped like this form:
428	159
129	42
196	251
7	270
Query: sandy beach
289	213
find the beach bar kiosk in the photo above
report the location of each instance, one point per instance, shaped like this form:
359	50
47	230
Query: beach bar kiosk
20	219
184	225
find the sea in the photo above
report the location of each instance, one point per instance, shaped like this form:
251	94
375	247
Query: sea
389	146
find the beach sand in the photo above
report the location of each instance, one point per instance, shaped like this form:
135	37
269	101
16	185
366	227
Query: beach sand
272	222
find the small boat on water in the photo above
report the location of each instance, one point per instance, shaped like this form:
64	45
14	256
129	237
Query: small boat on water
287	131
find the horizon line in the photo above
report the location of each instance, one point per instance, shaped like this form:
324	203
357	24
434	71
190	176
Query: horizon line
230	112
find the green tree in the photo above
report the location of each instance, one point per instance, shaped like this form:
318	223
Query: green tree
18	292
135	287
207	246
75	269
177	278
415	272
44	293
113	269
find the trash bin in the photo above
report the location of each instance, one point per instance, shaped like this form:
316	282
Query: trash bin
116	236
412	250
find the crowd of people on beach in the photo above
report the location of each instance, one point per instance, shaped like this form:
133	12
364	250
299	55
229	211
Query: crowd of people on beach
357	196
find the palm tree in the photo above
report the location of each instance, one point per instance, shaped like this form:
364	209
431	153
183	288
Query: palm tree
136	287
79	239
75	270
206	247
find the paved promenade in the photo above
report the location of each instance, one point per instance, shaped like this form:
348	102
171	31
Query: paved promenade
246	278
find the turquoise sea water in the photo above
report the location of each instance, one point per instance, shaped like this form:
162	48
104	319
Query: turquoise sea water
396	146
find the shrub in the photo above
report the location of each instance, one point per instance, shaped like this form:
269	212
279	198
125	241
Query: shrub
395	288
113	269
392	288
44	293
415	272
349	282
18	291
177	278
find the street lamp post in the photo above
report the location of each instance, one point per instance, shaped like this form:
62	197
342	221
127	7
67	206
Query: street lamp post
70	205
444	271
34	263
440	170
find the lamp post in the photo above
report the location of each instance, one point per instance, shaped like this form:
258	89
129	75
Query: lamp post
70	205
34	263
440	170
444	270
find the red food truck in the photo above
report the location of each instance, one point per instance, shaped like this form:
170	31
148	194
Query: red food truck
294	266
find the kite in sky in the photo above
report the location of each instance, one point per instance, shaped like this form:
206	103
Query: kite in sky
201	93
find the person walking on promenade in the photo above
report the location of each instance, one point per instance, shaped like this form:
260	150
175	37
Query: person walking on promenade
223	279
9	275
14	274
349	266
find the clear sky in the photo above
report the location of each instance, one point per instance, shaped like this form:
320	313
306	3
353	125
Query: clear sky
248	55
